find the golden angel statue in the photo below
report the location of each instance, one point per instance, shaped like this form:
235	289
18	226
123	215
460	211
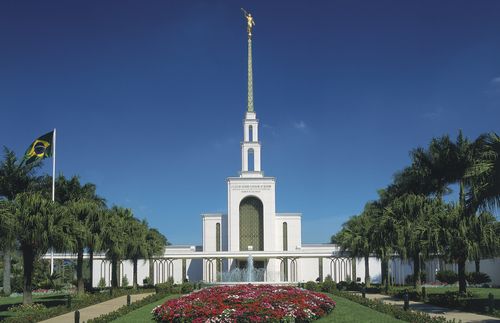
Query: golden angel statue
250	21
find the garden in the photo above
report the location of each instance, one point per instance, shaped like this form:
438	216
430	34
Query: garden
246	303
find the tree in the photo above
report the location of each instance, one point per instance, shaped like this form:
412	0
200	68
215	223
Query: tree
355	237
114	238
156	243
484	175
15	177
81	212
416	229
383	236
445	163
137	246
40	225
87	217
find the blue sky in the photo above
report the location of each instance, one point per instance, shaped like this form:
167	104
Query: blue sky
148	96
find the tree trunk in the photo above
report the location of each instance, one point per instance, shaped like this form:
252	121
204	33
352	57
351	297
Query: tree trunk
79	273
114	273
417	283
384	268
462	280
91	267
367	271
28	259
134	283
6	271
151	271
354	275
478	264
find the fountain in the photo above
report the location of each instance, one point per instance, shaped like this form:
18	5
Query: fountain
250	269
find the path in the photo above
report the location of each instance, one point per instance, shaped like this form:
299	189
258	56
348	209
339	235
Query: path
96	310
432	310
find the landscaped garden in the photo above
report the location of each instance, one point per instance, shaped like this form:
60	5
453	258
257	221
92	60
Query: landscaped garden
343	313
252	303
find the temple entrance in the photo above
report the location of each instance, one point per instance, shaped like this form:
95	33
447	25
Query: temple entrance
251	224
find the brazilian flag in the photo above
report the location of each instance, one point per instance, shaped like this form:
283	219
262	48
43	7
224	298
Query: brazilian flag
40	148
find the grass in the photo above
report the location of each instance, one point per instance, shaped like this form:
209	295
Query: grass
348	311
477	291
345	311
48	300
143	314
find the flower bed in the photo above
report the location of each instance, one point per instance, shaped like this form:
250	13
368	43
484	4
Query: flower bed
246	303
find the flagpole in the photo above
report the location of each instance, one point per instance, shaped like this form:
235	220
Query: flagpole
53	192
54	168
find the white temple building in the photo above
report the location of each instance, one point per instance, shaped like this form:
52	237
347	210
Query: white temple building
252	233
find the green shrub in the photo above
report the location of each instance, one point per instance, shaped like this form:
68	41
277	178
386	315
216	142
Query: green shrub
187	288
395	311
410	281
478	278
124	281
102	283
328	285
126	309
342	285
27	308
147	281
77	302
312	286
450	299
447	276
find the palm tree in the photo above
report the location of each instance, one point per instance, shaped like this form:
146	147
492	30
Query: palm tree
39	225
95	225
114	238
484	175
417	235
383	237
80	212
446	163
355	237
15	177
87	215
156	243
137	246
484	236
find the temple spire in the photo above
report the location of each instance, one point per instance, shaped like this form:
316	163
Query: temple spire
250	24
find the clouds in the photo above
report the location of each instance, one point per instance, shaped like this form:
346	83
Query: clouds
434	114
496	81
301	125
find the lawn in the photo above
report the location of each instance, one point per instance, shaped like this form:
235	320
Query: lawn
348	311
48	300
143	314
477	291
345	311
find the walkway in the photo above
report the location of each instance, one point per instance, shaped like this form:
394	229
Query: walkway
432	310
96	310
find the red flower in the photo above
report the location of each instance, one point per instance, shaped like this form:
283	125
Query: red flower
245	303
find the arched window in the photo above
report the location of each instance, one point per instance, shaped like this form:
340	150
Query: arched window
251	224
285	236
217	239
250	133
251	161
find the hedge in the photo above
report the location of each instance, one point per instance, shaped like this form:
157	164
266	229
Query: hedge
395	311
74	303
127	309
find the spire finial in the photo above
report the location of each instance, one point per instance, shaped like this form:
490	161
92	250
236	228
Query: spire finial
250	24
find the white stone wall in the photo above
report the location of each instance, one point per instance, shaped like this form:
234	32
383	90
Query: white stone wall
263	189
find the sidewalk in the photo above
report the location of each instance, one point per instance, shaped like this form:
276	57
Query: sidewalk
96	310
432	310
